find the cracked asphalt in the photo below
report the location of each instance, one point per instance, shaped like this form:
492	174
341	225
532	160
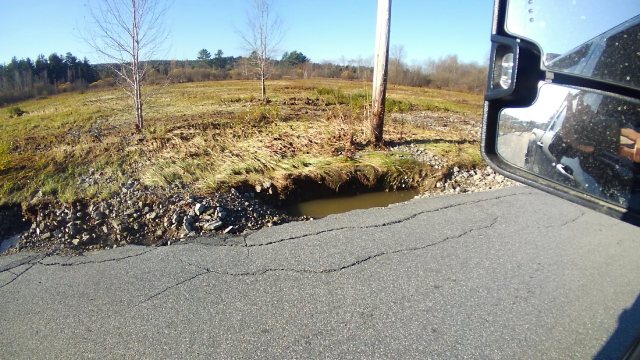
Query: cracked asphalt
507	274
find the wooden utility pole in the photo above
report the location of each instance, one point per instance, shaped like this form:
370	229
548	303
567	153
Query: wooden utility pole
380	69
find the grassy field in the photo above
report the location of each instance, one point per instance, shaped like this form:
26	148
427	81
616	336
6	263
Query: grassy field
217	135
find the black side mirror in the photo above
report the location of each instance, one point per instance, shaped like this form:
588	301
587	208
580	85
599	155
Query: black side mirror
562	104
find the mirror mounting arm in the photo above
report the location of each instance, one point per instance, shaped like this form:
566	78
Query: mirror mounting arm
577	81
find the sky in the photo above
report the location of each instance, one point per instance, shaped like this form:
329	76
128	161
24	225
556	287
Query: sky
323	30
561	25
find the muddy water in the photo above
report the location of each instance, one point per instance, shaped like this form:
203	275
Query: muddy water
324	207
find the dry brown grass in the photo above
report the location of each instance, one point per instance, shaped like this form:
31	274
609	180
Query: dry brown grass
217	134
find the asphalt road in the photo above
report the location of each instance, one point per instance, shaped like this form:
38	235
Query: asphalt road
507	274
513	147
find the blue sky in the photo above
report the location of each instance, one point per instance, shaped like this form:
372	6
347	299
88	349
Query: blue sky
321	29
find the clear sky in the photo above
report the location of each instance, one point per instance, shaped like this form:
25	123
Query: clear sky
321	29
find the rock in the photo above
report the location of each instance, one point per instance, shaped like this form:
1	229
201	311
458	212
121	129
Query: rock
221	213
188	224
74	229
75	242
45	236
176	218
200	209
213	226
152	215
129	185
99	215
117	225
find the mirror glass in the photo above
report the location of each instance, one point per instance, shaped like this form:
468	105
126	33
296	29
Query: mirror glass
595	39
587	140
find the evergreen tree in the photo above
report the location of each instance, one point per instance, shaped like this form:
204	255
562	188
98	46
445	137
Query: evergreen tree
204	56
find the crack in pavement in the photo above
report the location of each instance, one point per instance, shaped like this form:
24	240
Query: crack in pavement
389	223
568	222
368	258
65	264
17	276
29	261
35	260
206	270
171	287
25	261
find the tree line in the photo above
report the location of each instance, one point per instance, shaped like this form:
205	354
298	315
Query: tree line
24	78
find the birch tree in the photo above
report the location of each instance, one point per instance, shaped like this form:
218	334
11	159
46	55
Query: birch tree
263	35
127	34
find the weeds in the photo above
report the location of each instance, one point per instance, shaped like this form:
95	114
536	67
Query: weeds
15	111
216	135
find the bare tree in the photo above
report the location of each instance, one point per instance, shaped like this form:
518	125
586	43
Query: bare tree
396	63
262	37
128	33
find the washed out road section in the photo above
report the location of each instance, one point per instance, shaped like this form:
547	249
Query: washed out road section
513	273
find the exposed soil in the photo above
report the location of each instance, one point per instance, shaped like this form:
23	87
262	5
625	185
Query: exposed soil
153	216
156	215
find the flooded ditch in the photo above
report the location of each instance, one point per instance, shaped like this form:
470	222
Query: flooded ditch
324	207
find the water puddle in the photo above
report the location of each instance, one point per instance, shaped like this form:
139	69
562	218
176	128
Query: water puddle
8	243
324	207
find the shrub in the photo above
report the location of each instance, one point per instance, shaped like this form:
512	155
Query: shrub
397	106
15	111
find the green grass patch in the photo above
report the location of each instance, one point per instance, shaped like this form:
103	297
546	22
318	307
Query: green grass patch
466	155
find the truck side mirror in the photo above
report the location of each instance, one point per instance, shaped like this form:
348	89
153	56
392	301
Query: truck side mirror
562	104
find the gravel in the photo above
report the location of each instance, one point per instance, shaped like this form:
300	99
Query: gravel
457	180
144	215
140	214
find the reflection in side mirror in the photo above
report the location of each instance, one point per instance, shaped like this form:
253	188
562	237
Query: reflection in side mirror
581	139
569	124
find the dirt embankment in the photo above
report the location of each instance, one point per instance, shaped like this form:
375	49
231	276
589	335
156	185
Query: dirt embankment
153	216
212	161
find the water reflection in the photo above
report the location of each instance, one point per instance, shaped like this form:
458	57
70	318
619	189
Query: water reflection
585	140
325	207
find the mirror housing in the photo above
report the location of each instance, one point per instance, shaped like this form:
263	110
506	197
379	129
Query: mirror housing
516	74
